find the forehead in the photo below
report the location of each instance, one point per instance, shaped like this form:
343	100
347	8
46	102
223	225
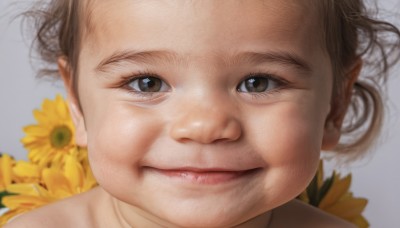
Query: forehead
220	24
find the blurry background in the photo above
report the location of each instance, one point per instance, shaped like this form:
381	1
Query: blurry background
376	177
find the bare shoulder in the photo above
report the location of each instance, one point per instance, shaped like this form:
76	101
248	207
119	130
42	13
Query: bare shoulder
298	214
70	212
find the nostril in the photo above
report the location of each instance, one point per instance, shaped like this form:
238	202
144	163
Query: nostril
234	129
221	141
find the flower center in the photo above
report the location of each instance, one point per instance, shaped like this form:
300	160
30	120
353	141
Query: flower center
60	136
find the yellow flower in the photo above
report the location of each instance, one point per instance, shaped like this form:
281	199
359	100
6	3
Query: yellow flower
55	183
333	196
57	168
53	136
340	202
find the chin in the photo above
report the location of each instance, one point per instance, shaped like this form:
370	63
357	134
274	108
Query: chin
215	215
201	221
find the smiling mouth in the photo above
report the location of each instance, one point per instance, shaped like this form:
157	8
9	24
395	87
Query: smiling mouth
205	176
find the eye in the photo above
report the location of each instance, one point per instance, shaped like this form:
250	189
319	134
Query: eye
257	84
148	85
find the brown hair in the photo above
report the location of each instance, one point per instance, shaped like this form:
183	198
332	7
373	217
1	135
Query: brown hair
350	32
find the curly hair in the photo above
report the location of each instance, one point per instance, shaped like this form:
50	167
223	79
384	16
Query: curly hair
351	31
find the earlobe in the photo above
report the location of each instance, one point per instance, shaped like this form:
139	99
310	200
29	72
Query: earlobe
331	136
75	112
334	121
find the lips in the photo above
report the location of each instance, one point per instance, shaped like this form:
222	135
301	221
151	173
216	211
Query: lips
205	176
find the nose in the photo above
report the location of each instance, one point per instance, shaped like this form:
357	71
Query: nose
206	125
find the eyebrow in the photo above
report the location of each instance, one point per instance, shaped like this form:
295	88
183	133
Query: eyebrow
279	57
151	57
138	57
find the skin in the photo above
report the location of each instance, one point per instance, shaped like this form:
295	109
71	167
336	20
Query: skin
159	156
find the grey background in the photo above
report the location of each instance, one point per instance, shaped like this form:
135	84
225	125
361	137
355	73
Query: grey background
377	177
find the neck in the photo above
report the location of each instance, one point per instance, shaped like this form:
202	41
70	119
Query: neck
128	216
263	220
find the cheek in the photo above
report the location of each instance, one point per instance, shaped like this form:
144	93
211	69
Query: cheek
288	138
294	130
118	139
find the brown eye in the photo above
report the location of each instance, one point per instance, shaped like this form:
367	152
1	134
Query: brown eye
255	85
148	85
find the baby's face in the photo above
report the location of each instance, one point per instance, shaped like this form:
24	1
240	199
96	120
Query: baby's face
207	112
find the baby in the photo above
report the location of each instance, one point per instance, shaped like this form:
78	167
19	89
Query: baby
208	113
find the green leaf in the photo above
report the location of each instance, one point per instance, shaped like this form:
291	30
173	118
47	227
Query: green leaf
315	194
3	194
312	191
325	187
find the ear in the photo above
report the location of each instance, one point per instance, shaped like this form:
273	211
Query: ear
339	106
73	102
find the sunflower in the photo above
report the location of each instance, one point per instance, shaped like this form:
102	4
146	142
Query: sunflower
52	137
55	184
57	167
333	196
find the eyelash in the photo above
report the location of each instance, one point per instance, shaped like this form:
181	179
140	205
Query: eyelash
281	83
126	80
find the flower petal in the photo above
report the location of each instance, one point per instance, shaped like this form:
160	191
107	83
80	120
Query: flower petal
56	182
6	163
337	190
74	173
25	169
348	209
29	202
